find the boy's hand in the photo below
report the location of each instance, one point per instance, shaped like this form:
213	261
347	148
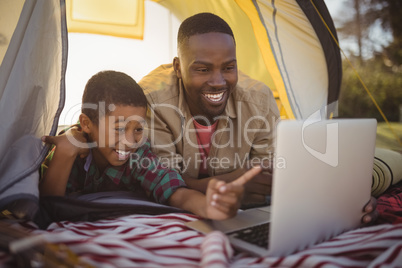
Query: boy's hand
371	213
73	142
223	199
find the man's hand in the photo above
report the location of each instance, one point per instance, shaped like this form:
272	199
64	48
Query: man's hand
68	147
223	199
73	142
371	213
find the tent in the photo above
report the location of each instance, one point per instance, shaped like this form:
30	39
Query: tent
280	37
291	44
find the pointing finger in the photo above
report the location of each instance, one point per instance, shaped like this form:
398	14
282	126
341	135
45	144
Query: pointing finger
247	176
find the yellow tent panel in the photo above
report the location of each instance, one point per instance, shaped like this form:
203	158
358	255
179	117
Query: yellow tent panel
275	41
123	18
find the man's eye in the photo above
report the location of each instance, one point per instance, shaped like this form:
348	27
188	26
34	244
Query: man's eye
120	129
202	70
139	130
230	68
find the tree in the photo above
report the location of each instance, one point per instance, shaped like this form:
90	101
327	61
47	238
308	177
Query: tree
383	84
389	13
367	18
378	63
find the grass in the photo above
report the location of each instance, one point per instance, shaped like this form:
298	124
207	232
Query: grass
386	138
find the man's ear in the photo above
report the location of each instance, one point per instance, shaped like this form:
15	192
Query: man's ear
176	67
86	123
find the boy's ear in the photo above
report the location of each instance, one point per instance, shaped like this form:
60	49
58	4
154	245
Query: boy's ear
86	123
176	67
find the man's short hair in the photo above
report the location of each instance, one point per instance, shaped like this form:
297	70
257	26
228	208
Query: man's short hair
202	23
111	88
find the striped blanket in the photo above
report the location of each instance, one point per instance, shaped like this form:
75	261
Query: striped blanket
165	241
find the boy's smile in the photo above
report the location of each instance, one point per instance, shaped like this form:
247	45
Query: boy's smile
119	133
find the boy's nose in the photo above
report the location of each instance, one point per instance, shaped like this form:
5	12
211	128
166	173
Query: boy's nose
129	140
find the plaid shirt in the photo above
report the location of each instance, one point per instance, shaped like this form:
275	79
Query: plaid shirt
142	171
389	205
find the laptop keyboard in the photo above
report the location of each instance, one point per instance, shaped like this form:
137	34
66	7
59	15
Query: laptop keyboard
257	235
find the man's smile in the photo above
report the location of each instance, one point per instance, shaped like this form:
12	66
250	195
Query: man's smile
214	97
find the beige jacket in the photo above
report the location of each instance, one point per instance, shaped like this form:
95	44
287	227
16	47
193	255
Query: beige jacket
245	130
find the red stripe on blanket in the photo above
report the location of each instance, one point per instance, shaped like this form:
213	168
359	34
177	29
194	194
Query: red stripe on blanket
301	260
277	263
164	241
395	253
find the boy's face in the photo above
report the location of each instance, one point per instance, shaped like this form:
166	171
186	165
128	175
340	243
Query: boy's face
119	133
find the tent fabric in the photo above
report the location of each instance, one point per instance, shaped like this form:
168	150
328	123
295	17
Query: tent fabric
292	48
281	38
326	33
117	18
32	95
297	22
9	15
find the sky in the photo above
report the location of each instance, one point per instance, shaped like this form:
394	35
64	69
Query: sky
334	6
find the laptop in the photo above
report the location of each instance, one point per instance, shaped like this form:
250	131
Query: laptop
321	182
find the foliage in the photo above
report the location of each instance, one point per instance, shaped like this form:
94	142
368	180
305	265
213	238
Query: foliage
388	13
386	137
369	15
384	83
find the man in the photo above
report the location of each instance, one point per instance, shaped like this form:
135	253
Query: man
206	117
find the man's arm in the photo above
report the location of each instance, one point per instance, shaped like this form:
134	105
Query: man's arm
55	179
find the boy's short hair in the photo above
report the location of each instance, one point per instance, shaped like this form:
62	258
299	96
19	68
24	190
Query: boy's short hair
110	87
202	23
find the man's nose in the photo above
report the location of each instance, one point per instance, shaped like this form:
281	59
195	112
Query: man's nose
217	79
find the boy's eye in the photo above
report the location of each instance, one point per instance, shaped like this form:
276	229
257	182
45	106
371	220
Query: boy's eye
139	130
120	129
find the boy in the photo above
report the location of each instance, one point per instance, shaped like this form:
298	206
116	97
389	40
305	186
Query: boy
107	151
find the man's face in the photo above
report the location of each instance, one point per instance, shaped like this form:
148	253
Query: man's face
208	69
